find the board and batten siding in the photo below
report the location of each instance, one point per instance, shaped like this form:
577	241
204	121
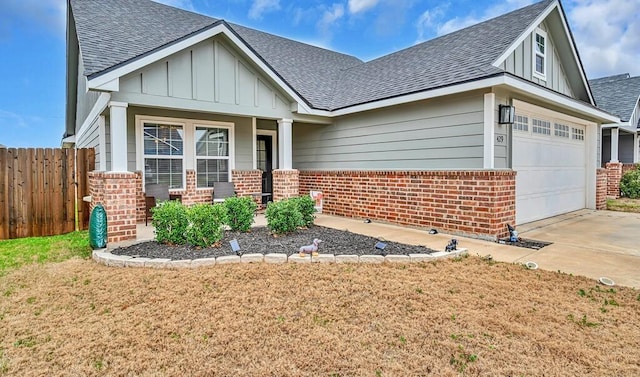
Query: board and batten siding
520	63
209	76
442	134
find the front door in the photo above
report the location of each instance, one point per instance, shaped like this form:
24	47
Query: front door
264	155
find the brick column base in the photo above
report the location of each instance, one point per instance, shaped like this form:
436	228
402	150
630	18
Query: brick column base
601	189
117	192
614	175
247	182
286	184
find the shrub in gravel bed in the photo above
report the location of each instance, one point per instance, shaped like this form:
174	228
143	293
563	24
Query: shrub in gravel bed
205	224
630	184
171	222
283	216
306	206
240	213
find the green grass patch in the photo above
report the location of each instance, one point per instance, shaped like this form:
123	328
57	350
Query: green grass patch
19	252
624	205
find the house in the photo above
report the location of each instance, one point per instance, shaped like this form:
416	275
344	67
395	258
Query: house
425	136
620	96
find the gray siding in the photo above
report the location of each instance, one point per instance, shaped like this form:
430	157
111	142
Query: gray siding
446	133
210	76
86	100
242	132
520	63
91	139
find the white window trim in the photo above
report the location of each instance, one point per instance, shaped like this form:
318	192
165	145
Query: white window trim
227	125
534	53
189	156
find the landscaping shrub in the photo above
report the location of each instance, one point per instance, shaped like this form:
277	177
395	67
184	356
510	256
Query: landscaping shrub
306	206
240	213
171	222
630	184
205	224
283	216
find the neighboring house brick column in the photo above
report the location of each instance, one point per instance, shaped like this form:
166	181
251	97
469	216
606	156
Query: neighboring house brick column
118	194
614	174
601	189
286	184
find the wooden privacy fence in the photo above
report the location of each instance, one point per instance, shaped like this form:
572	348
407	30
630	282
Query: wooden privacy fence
41	191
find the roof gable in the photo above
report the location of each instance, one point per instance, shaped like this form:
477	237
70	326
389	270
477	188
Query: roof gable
552	15
619	94
315	77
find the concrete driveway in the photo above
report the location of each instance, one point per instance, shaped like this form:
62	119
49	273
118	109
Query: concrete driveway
588	243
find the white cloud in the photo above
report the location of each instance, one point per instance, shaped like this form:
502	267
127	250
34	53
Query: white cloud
433	20
607	34
357	6
9	119
261	6
329	17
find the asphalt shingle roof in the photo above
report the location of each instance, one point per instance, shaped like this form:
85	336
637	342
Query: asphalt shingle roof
617	94
114	32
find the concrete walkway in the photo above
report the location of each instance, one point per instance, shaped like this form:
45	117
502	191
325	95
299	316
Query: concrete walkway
588	243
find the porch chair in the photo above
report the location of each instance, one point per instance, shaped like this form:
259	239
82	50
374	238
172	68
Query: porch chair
223	190
154	193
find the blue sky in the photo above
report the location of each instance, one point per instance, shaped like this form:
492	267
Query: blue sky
32	42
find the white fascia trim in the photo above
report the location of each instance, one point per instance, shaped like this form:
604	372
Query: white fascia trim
473	85
98	108
532	26
560	99
105	79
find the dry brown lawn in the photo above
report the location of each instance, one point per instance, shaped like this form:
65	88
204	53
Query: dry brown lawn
624	205
466	317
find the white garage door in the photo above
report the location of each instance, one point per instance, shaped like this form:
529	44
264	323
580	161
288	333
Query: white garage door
549	155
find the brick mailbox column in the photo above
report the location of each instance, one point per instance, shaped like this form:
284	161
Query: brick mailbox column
118	194
286	184
601	189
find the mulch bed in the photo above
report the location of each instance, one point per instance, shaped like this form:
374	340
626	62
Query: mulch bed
260	240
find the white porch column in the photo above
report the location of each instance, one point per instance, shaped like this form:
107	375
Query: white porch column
118	127
636	148
489	130
614	144
285	149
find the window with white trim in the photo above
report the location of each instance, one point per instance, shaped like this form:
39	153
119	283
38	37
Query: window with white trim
561	130
540	54
577	133
163	154
541	127
212	155
521	123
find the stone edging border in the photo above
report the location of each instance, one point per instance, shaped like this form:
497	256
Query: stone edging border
112	260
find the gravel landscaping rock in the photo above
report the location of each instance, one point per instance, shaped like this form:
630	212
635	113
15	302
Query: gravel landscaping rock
260	241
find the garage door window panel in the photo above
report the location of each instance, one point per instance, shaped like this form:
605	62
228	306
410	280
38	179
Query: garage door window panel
577	134
561	130
541	127
521	123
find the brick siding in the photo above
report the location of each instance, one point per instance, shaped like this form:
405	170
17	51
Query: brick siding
117	192
474	203
286	184
614	174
